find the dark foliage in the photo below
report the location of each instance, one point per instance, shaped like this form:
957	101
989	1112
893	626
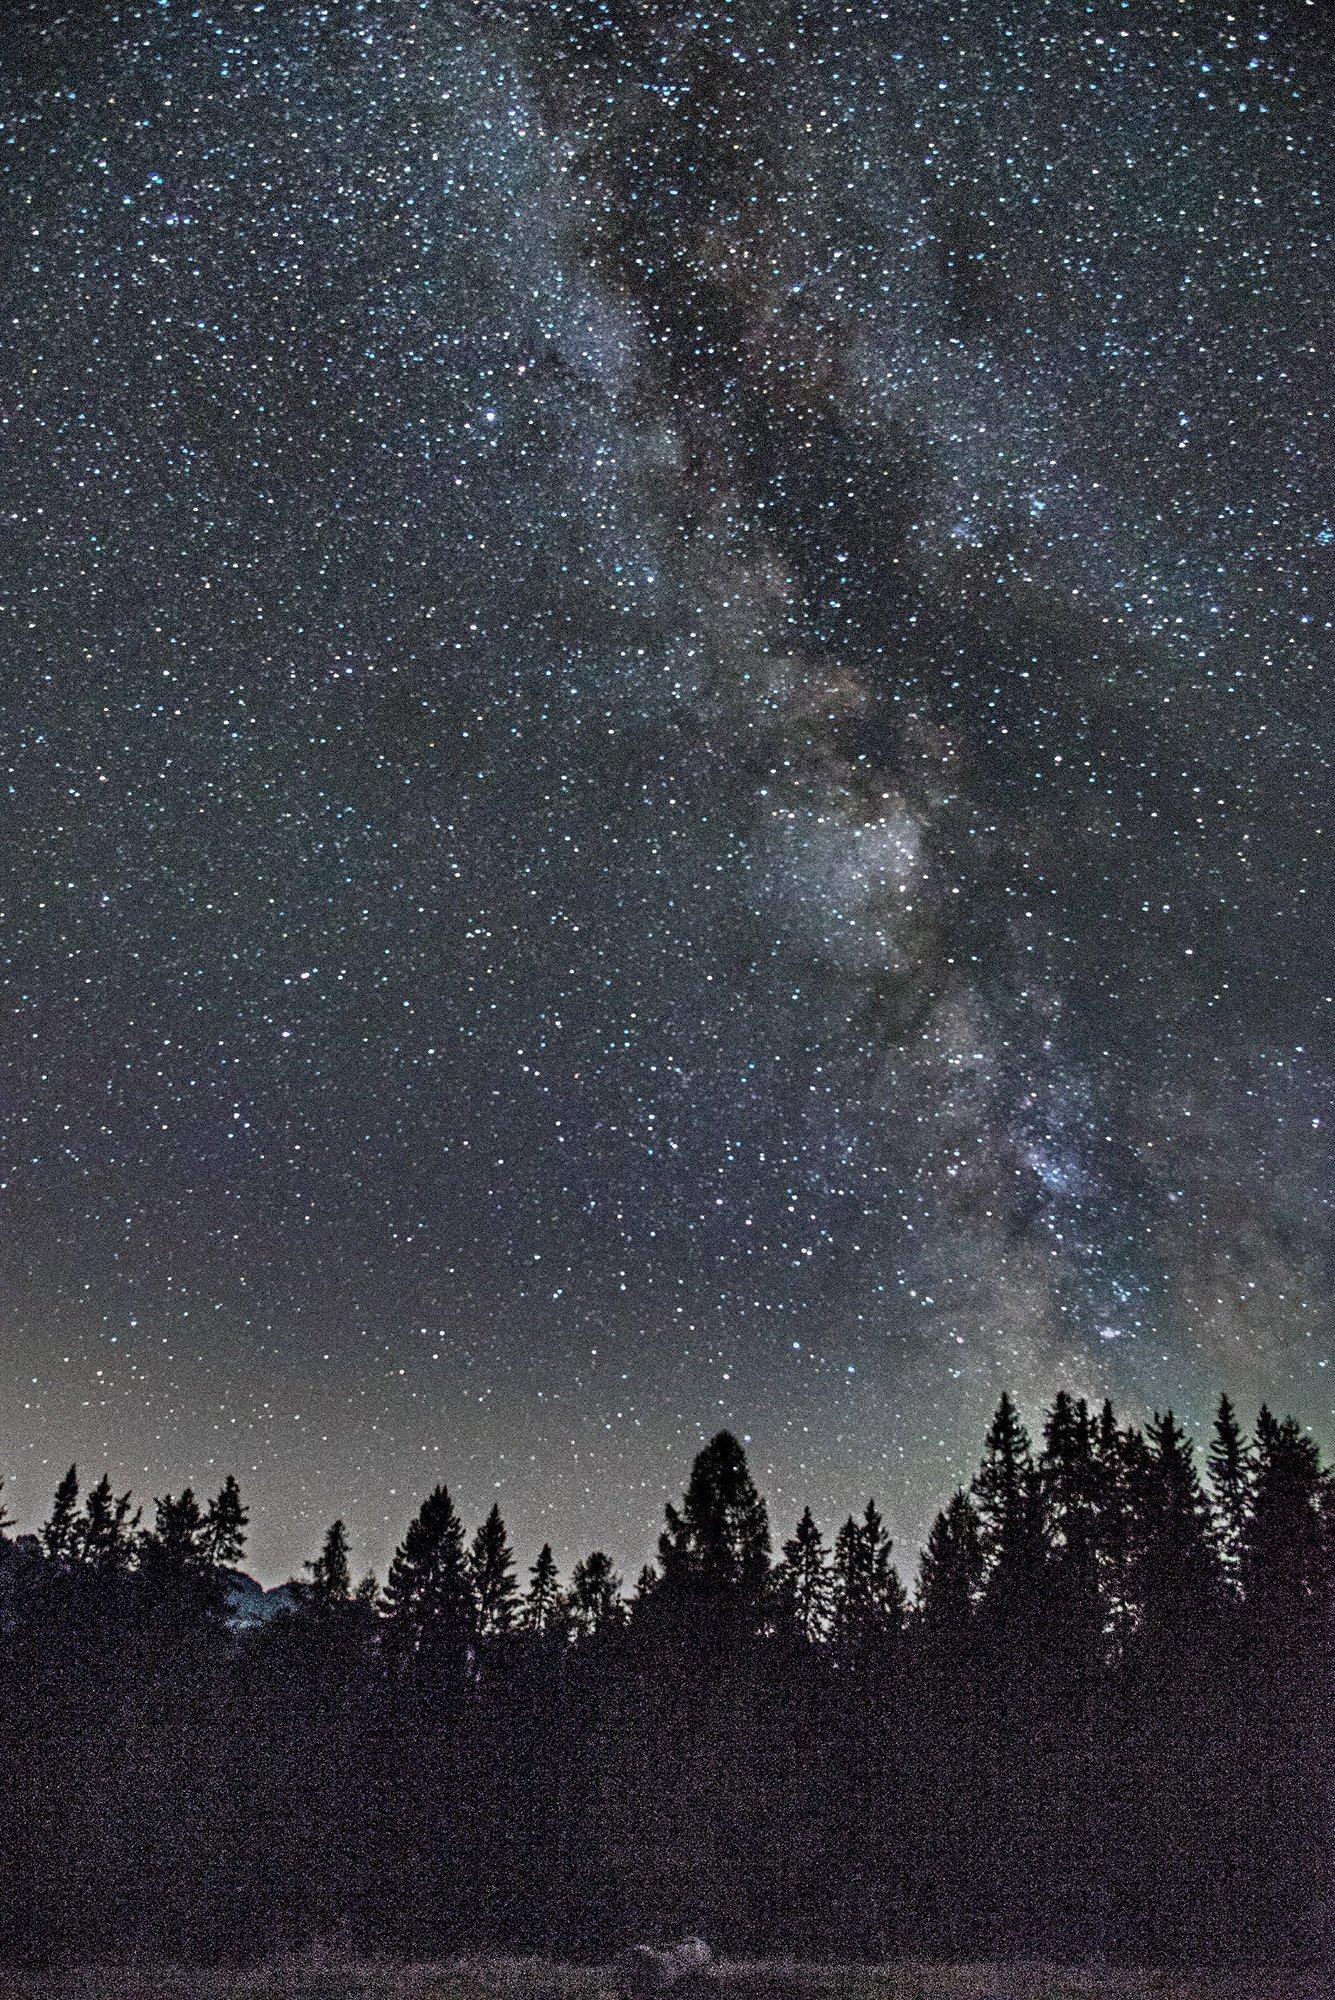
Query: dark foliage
1102	1730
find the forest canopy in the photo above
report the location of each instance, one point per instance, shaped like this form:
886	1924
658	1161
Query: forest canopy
1098	1725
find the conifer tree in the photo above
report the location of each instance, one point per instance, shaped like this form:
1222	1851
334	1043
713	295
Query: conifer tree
802	1579
60	1535
1121	1476
1069	1476
542	1601
717	1544
1286	1557
868	1597
1008	1495
429	1599
331	1572
175	1545
1000	1487
224	1535
492	1566
1180	1575
1230	1468
107	1531
950	1576
595	1595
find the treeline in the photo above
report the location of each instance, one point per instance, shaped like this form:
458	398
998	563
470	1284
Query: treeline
1099	1728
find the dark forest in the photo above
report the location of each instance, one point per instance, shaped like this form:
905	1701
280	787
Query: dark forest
1099	1728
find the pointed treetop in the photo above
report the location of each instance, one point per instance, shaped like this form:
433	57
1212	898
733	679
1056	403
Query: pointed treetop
492	1564
950	1576
60	1536
802	1580
331	1572
224	1537
429	1596
719	1539
542	1602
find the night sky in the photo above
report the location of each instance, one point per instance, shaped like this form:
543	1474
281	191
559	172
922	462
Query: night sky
666	729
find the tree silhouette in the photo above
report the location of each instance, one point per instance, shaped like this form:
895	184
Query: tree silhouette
224	1535
595	1595
1180	1572
1008	1496
106	1534
868	1597
492	1567
331	1572
950	1577
802	1579
974	1785
175	1545
716	1546
542	1601
1230	1468
60	1535
1069	1492
1286	1555
429	1600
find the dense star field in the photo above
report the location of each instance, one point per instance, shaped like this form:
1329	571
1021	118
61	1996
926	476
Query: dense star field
666	749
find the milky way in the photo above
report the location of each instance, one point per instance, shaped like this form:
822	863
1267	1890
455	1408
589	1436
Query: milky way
666	744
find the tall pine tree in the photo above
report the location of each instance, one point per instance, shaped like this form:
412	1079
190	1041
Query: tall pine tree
492	1566
542	1601
107	1531
331	1570
715	1547
802	1580
950	1576
60	1535
224	1538
1230	1468
868	1597
430	1604
595	1595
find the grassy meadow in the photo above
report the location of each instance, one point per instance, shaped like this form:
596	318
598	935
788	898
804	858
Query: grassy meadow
538	1979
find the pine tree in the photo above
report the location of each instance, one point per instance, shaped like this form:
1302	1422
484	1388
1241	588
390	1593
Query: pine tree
1000	1487
175	1545
950	1577
802	1579
1179	1574
1121	1476
331	1572
868	1597
1008	1494
60	1536
1230	1467
492	1566
224	1536
542	1601
1286	1559
1069	1476
106	1533
429	1599
717	1544
595	1595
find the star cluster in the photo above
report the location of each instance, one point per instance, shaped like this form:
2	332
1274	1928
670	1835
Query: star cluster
666	743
